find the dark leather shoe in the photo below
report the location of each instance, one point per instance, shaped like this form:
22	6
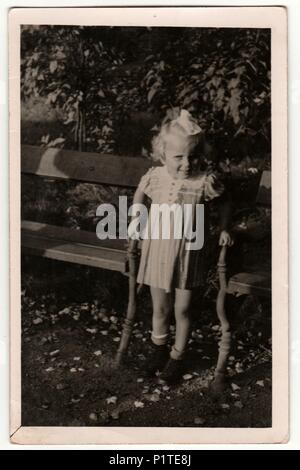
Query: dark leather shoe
172	373
156	360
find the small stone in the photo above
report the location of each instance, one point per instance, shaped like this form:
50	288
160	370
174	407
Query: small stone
73	369
117	339
37	321
50	369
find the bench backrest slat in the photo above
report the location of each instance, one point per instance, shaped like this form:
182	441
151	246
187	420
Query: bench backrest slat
264	196
83	166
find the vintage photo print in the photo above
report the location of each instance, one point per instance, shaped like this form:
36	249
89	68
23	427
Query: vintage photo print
148	225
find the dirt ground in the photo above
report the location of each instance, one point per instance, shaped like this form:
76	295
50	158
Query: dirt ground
72	323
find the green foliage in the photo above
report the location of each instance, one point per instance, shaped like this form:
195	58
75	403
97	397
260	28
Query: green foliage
106	80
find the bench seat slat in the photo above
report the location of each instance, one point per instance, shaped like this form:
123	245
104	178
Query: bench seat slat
258	283
73	246
70	235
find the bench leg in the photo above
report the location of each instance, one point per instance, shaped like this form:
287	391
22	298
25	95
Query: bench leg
219	381
131	310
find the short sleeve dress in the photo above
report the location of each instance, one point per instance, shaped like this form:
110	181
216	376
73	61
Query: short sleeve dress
167	263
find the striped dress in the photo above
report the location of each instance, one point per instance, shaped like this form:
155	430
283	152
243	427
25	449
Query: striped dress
167	263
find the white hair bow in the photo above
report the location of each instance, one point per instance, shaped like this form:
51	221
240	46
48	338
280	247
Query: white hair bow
187	122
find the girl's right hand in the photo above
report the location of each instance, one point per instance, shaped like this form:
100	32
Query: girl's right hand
225	239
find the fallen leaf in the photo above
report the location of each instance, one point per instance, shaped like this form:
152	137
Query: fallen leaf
187	377
117	339
216	327
37	321
65	311
261	383
91	330
111	400
199	421
77	358
60	387
235	387
140	380
225	406
73	370
54	353
238	404
75	400
93	417
139	404
115	414
154	397
98	353
50	369
104	332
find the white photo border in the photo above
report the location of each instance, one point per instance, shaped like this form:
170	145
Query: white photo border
274	18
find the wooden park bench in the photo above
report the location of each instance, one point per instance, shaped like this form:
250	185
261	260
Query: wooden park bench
82	247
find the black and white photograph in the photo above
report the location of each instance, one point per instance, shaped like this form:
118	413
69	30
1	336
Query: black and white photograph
146	237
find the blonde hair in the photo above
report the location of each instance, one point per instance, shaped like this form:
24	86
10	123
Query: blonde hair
159	141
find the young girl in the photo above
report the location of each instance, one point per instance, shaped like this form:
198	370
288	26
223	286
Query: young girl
171	269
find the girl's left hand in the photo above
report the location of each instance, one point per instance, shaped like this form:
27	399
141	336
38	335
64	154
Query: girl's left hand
225	239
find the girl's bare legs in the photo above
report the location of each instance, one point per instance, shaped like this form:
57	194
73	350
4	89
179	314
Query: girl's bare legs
183	322
162	307
173	369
